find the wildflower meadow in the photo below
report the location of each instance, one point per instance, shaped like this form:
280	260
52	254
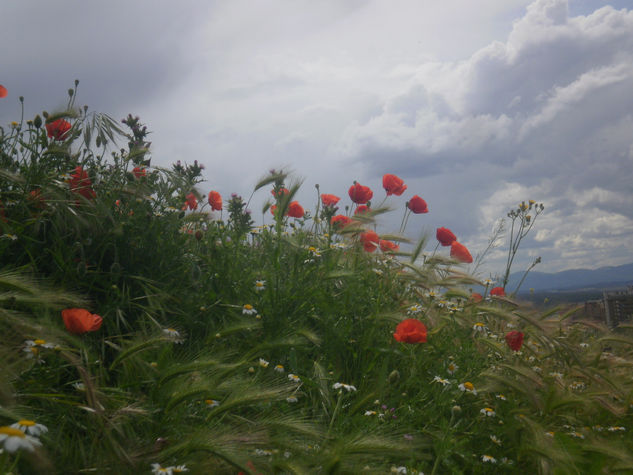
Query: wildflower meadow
146	327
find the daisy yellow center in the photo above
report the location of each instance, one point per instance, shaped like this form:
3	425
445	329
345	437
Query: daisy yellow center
26	422
488	410
11	432
172	330
34	350
39	342
248	306
469	386
479	324
451	367
259	284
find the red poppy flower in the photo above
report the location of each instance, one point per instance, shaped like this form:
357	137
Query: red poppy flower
295	210
477	297
80	320
139	172
514	339
370	240
410	331
417	205
281	192
215	200
340	221
361	209
3	91
329	200
360	194
58	129
460	252
191	202
393	185
498	292
388	246
273	208
445	236
80	183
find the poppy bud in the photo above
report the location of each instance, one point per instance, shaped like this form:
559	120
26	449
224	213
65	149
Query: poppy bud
70	92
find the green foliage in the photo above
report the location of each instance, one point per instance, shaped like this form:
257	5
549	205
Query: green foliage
270	349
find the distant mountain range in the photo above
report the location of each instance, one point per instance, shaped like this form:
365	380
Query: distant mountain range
574	279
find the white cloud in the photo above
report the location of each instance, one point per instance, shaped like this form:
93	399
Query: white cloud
544	115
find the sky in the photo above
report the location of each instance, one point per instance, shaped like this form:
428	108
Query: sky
477	106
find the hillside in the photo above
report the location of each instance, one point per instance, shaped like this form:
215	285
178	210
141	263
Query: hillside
574	279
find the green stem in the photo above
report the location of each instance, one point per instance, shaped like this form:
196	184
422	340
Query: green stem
336	409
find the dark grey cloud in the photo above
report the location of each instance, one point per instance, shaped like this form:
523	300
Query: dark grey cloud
119	50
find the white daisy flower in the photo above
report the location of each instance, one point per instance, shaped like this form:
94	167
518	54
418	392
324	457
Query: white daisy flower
467	387
211	403
488	458
451	368
260	285
291	399
480	327
370	413
486	411
348	387
173	335
294	378
248	309
157	469
263	363
279	368
39	342
179	469
616	429
443	382
414	309
400	470
30	427
13	439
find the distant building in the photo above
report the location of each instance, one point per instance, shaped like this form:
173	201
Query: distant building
618	306
613	308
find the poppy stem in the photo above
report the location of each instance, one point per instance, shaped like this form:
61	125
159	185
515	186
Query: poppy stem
402	224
